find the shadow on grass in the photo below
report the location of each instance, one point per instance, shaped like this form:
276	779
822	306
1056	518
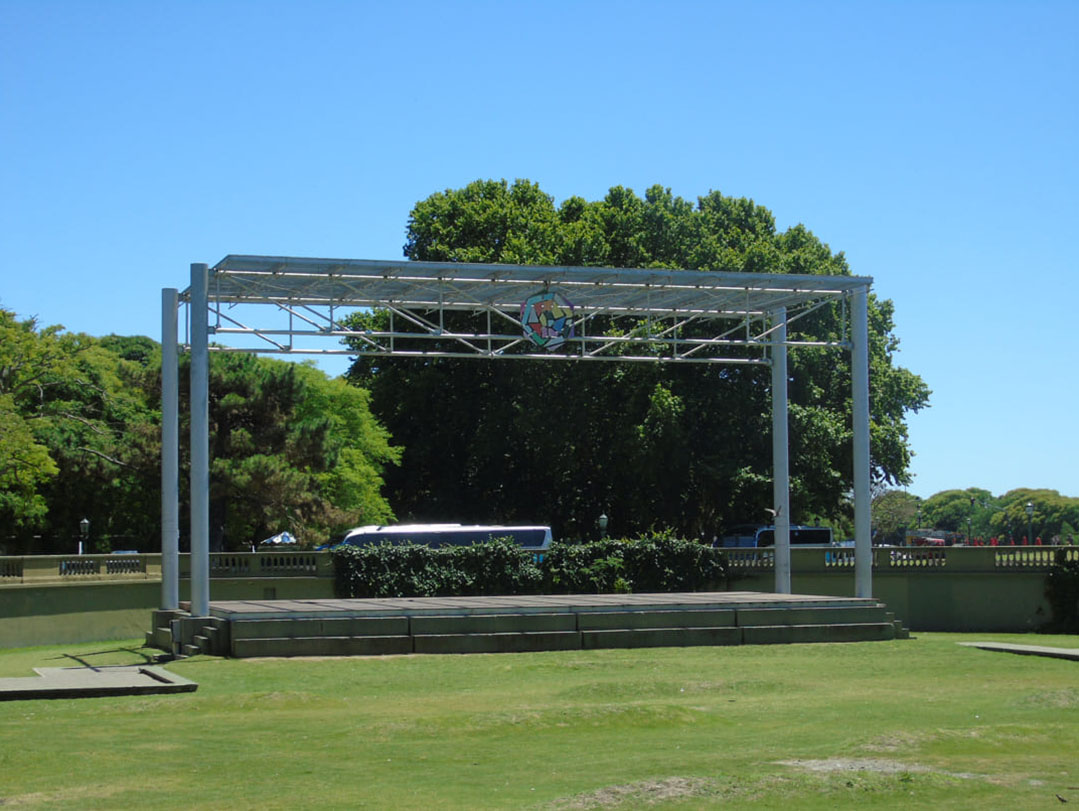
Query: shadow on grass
133	655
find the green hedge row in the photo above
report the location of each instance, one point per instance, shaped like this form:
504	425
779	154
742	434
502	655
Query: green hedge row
655	564
1062	593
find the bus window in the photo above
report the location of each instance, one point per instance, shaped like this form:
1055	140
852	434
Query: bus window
438	535
818	536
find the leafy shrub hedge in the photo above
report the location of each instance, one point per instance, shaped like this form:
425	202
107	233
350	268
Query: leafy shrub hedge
657	563
1062	594
409	570
653	564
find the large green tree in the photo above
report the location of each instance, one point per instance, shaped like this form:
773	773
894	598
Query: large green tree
961	511
30	359
80	438
1054	515
103	430
652	446
84	429
291	449
894	512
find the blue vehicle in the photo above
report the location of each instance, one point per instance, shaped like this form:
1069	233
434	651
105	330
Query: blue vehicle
753	536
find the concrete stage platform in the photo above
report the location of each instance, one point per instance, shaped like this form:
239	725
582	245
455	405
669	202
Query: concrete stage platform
359	627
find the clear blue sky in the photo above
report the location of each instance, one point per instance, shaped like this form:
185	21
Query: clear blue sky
934	143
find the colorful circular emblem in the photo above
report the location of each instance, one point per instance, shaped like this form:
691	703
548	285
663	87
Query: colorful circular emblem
547	318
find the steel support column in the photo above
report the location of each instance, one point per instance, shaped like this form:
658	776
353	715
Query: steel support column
170	455
859	377
781	473
200	441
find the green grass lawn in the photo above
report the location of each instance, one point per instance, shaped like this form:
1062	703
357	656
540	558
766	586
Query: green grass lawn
915	723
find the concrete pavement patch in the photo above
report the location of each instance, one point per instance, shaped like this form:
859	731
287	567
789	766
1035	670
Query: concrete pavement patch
94	682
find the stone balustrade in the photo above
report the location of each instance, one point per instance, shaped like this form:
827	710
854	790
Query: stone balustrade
904	558
86	568
43	569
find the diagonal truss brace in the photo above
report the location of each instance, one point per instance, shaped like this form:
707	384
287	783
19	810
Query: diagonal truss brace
660	340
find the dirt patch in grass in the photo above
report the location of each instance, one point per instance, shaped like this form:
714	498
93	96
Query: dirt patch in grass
643	793
875	765
895	742
841	764
1053	699
68	797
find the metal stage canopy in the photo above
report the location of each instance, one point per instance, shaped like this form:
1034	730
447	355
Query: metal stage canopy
671	315
286	305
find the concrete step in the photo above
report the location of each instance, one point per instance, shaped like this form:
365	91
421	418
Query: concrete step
321	646
160	633
428	624
900	631
659	637
317	626
849	632
811	615
218	639
522	642
160	638
624	620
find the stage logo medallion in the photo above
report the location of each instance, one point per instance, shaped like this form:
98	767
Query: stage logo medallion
547	319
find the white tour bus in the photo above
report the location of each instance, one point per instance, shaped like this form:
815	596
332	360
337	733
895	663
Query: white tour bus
537	539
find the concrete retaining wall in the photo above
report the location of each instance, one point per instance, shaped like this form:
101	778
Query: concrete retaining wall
1011	602
55	600
59	613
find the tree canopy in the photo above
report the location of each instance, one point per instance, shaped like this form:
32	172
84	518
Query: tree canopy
290	449
80	438
1054	515
960	511
652	446
977	513
79	411
894	512
29	361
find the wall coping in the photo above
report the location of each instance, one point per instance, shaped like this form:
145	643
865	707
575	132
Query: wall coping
18	570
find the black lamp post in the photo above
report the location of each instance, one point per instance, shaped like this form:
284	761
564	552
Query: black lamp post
84	532
601	522
1030	523
970	524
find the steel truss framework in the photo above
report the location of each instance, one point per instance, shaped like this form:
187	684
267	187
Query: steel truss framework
617	315
665	315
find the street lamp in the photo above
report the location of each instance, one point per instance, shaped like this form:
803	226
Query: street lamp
1030	523
84	531
970	524
601	522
